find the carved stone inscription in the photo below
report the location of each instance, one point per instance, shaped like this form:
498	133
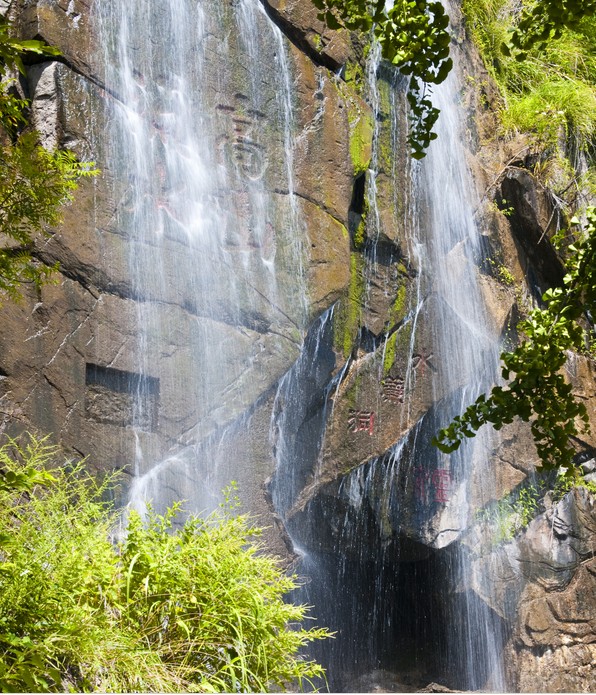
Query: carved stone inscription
421	361
361	421
241	138
393	389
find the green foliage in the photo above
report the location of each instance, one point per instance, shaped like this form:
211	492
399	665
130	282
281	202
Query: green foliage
34	183
33	456
192	608
549	88
501	272
537	390
564	484
511	514
544	21
413	36
12	50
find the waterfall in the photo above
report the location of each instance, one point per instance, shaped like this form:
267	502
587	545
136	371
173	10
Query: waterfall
403	604
200	155
224	372
452	250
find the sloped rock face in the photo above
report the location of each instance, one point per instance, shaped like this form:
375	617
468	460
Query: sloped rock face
555	636
376	488
543	584
70	355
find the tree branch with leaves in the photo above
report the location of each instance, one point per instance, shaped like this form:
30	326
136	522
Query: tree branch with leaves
544	21
414	38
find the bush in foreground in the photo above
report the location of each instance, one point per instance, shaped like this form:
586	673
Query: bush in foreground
196	608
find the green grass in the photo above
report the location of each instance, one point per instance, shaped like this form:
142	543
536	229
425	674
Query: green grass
552	92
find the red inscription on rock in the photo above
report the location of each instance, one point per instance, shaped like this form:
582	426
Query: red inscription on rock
361	421
432	486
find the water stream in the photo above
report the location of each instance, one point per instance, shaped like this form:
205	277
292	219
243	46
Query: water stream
402	603
201	155
452	250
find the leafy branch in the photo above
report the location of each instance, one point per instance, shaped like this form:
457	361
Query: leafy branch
538	392
544	21
34	182
12	50
413	36
34	185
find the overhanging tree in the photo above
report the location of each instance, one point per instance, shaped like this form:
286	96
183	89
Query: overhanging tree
536	390
414	37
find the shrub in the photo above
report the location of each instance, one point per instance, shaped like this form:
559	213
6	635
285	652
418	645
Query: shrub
195	608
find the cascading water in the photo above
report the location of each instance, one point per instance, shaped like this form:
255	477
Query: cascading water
200	152
403	603
452	251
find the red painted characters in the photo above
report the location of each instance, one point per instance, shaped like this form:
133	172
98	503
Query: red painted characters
432	486
361	421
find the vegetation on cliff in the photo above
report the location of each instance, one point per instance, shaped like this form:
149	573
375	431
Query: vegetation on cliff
543	57
34	182
528	44
413	37
171	607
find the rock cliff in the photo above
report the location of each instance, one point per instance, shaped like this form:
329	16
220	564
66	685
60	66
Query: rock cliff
328	385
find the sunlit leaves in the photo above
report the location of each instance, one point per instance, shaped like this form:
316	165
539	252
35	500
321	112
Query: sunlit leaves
545	21
34	183
12	50
174	606
413	36
537	390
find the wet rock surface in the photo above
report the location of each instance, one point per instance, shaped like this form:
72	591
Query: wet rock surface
91	317
554	640
369	386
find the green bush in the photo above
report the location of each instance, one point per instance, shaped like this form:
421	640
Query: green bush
196	607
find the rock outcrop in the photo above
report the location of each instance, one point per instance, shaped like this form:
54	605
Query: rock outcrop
328	381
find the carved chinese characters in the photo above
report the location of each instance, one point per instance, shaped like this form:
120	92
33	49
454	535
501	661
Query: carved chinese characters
244	123
361	421
393	389
432	486
421	361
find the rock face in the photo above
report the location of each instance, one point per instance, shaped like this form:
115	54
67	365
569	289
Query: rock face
303	353
70	357
543	585
555	634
